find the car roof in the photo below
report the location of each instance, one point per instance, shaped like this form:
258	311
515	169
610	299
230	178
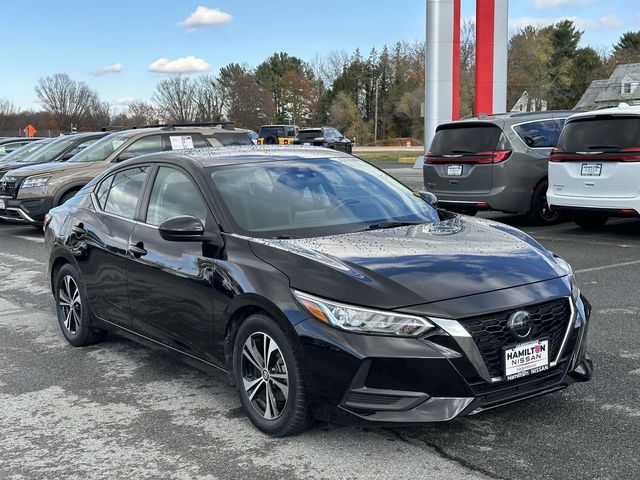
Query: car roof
511	118
244	154
621	109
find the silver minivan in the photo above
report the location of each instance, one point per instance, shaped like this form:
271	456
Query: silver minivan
495	162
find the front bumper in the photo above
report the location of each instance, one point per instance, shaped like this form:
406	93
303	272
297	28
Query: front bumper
28	210
375	380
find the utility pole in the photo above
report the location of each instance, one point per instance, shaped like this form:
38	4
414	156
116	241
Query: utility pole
375	116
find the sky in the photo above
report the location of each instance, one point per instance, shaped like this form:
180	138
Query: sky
123	48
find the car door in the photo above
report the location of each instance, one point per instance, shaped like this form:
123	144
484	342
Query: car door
170	283
102	250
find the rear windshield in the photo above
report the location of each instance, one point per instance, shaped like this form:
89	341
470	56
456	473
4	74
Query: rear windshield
602	133
462	139
232	138
309	134
279	132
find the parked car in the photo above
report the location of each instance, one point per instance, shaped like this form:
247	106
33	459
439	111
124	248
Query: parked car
321	284
327	137
10	144
28	193
24	151
277	134
594	172
496	162
59	149
253	136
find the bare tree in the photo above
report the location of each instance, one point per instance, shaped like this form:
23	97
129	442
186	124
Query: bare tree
467	67
7	112
142	113
209	99
175	99
67	100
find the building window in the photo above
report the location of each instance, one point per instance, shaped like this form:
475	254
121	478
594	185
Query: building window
626	88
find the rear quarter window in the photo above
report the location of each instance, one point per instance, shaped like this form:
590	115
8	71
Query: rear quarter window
616	132
229	139
542	134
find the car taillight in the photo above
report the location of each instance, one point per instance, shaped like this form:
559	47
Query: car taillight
489	156
630	154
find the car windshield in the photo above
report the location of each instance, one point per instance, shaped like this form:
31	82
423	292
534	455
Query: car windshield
50	151
101	149
315	197
24	151
600	133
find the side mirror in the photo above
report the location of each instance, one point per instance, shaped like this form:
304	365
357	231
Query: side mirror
428	197
183	228
125	156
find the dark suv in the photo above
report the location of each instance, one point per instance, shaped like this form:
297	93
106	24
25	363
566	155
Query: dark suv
496	162
327	137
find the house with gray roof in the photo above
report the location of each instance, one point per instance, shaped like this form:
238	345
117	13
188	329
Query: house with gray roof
622	86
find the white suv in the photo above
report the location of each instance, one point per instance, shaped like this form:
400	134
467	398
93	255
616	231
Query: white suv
594	173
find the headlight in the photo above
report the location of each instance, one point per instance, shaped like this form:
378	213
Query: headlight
33	182
363	320
575	290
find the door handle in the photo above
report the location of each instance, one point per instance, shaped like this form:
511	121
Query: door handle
137	250
79	230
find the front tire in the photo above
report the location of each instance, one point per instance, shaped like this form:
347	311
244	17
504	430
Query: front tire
591	220
268	374
72	308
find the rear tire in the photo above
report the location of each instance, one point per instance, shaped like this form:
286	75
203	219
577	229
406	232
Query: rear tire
273	392
591	221
540	213
72	308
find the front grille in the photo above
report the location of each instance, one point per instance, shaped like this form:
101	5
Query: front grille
491	334
8	188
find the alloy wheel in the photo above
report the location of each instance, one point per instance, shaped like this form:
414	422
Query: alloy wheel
70	304
264	375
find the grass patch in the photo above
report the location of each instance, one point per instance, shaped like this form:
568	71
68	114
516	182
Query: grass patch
386	156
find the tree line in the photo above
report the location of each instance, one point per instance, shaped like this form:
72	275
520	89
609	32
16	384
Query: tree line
372	97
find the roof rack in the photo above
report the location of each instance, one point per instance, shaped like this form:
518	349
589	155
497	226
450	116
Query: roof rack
172	126
112	128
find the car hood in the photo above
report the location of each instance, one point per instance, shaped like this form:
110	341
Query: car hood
417	264
45	168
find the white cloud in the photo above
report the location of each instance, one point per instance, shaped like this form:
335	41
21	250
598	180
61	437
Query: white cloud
203	16
606	22
124	101
115	68
186	65
544	4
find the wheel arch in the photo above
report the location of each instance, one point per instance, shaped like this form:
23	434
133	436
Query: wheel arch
241	308
73	187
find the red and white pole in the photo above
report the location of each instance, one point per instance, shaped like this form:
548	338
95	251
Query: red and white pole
442	65
491	56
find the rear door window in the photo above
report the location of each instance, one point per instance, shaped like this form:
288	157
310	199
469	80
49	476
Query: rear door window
465	139
541	134
150	144
606	132
186	141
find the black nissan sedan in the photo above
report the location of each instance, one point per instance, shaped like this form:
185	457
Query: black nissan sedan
324	287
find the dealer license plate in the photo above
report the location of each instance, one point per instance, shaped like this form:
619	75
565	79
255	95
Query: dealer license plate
2	205
591	169
526	359
454	170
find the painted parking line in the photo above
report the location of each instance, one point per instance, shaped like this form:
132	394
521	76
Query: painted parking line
605	267
31	239
588	241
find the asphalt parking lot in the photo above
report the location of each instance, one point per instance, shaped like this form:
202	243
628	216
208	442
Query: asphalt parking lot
119	410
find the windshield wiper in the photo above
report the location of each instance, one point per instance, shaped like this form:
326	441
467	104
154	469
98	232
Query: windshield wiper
380	226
